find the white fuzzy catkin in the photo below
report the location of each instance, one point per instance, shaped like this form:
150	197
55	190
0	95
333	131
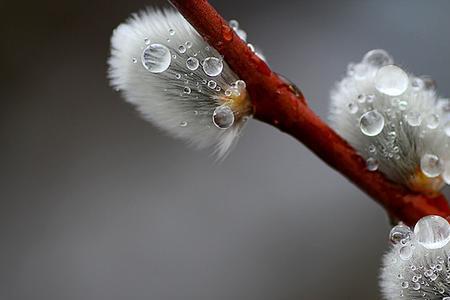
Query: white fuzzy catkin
410	270
185	88
395	121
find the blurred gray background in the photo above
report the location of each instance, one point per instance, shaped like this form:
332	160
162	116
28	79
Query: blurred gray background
95	203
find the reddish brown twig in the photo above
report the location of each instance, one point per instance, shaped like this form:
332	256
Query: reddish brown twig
277	104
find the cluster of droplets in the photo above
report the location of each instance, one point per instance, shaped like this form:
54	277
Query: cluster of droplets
202	76
398	116
418	265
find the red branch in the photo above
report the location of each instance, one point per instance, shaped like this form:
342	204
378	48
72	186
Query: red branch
277	104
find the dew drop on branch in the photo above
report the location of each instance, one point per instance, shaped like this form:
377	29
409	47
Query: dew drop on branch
223	117
212	66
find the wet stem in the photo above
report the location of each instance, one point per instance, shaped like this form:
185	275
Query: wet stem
275	102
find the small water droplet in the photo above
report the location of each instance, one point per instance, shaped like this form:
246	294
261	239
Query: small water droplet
413	118
372	164
156	58
234	24
223	117
181	49
416	286
352	107
371	123
405	252
212	84
171	31
400	233
391	80
192	63
188	44
183	124
187	90
405	284
212	66
134	60
431	165
432	232
432	121
378	58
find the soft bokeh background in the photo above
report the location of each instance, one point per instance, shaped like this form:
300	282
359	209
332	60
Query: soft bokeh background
95	203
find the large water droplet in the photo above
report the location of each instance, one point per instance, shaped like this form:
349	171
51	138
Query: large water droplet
432	232
371	123
378	58
192	63
156	58
212	66
223	117
400	233
391	80
431	165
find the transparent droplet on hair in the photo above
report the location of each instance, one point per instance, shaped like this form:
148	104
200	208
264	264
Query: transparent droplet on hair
371	123
378	58
223	117
156	58
432	232
431	165
212	66
391	80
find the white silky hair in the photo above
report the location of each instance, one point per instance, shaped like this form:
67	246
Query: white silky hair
399	147
423	274
178	100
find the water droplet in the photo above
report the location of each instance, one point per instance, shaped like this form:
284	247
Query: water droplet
391	80
181	49
192	63
223	117
371	123
378	58
212	84
413	118
432	232
134	60
405	252
361	98
178	76
188	44
372	164
400	233
416	286
431	165
417	84
156	58
171	31
352	107
372	149
432	121
405	284
228	92
187	90
212	66
402	105
234	24
183	124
